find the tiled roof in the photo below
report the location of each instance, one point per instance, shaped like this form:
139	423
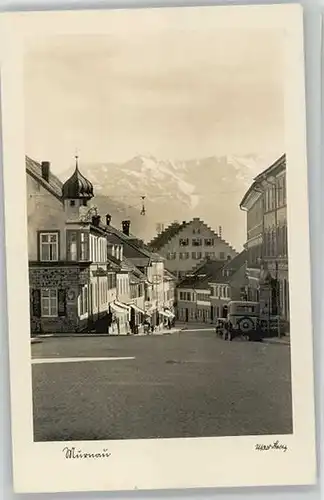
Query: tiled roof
274	169
133	248
54	185
203	275
233	266
174	229
163	238
169	275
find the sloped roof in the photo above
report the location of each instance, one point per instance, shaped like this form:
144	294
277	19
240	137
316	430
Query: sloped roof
133	248
174	229
163	238
203	275
169	275
54	185
232	265
278	166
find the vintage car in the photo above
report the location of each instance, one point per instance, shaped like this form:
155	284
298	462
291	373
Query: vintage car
243	319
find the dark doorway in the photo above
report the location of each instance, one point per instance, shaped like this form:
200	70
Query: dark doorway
224	312
187	315
132	322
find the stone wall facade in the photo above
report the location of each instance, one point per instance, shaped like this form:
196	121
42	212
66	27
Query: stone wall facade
68	282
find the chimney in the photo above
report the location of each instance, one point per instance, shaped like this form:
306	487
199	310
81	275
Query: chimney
126	226
108	219
96	220
45	170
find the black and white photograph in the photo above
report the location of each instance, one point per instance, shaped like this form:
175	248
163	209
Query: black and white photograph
157	172
169	227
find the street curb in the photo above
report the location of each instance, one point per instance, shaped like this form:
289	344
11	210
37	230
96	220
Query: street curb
276	341
98	335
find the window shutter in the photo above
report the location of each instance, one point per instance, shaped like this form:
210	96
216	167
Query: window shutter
36	303
61	309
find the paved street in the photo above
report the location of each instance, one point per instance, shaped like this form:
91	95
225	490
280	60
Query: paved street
182	385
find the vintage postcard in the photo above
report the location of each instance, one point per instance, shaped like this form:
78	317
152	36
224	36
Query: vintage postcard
158	265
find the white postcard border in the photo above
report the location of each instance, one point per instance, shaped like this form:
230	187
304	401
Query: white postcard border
159	463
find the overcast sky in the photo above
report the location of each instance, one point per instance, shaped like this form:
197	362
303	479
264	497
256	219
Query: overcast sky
176	94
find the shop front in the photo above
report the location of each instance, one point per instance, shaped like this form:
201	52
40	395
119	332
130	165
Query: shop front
121	319
137	317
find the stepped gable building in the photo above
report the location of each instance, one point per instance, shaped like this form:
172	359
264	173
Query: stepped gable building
265	204
186	245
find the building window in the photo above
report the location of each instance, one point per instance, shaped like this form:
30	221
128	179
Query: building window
72	203
184	255
284	191
48	246
111	281
209	242
210	255
84	300
171	255
184	242
72	245
196	242
185	296
49	302
204	297
222	255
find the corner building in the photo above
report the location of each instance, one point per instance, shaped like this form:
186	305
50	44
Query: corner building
71	284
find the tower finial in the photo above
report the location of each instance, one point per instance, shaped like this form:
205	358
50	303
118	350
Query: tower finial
76	156
76	162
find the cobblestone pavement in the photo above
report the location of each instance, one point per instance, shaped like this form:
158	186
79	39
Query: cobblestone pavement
187	384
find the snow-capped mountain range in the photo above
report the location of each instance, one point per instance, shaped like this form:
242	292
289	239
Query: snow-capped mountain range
210	188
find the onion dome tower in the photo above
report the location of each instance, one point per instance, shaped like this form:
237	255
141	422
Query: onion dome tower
76	192
77	187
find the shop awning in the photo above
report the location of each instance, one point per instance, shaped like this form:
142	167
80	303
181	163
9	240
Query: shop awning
166	314
169	313
137	309
150	311
122	305
120	310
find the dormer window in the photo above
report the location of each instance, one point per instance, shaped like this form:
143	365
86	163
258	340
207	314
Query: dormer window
49	246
